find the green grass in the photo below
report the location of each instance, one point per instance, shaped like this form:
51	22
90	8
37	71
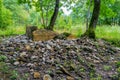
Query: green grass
106	32
12	31
76	30
110	33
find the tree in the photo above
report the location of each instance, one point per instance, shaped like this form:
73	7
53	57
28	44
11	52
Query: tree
5	16
54	16
45	7
106	12
18	18
90	32
88	14
0	11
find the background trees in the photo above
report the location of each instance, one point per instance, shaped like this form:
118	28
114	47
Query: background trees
19	12
48	10
71	13
5	16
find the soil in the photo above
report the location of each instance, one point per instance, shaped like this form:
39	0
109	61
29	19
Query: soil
75	59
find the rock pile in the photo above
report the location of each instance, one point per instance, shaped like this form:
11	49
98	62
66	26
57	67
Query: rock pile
59	59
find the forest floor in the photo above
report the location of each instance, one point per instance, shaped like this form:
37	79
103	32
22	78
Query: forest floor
77	59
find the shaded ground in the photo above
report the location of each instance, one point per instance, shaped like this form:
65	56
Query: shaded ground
78	59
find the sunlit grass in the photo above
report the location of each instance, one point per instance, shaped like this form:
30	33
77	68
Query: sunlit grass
111	33
105	31
108	32
12	31
76	30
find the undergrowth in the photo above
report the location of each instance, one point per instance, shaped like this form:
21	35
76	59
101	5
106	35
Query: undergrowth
109	33
9	31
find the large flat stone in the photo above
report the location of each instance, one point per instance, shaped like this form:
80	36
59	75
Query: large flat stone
43	35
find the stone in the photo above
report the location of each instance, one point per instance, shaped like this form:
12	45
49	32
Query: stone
34	58
36	75
71	37
48	46
30	65
47	77
28	47
31	70
43	35
16	63
23	54
70	78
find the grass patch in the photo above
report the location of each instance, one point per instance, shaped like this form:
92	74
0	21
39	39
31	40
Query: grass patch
12	31
107	68
76	30
109	33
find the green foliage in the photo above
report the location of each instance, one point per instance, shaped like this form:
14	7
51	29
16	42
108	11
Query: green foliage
109	13
115	77
118	70
3	67
12	30
14	75
2	58
97	78
107	68
117	64
108	32
19	14
34	18
5	16
44	7
115	42
64	22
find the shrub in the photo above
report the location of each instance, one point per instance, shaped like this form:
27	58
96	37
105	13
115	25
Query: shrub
5	16
2	58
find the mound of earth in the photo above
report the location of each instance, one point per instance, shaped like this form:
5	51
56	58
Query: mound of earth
78	59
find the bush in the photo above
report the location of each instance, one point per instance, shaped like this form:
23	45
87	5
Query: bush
5	17
2	58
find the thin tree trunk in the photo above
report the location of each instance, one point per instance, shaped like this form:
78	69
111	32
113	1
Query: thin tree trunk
54	16
47	16
88	15
42	12
90	32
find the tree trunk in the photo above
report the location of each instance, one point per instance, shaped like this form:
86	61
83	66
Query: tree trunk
90	32
42	16
54	16
88	15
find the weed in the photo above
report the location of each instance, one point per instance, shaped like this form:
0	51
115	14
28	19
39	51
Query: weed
2	58
4	67
118	70
107	68
14	75
115	77
117	64
12	31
